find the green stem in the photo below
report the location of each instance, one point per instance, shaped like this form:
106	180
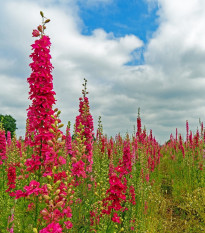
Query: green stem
36	199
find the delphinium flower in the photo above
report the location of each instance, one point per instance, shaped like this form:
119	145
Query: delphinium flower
187	132
116	218
11	175
68	140
52	228
42	96
82	159
8	138
58	208
10	224
19	146
133	195
190	139
115	195
120	192
135	149
78	169
86	120
125	165
139	125
3	156
196	139
60	187
46	142
101	139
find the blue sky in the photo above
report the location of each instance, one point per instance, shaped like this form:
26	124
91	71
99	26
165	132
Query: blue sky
146	54
121	18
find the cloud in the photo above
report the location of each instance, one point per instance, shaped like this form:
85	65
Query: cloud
177	51
75	56
95	3
169	87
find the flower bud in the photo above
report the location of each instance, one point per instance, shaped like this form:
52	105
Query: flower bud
60	203
40	28
35	230
35	33
46	197
47	21
61	125
50	143
69	191
57	191
73	160
51	202
58	182
41	13
44	212
51	131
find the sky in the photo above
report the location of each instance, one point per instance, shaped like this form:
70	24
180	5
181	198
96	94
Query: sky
147	54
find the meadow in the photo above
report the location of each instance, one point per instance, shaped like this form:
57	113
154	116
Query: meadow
83	181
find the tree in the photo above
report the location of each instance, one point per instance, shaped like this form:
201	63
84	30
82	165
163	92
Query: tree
9	124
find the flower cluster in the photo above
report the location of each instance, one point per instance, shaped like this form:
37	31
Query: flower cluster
68	140
116	195
8	138
125	166
3	156
85	120
40	113
11	178
52	228
32	189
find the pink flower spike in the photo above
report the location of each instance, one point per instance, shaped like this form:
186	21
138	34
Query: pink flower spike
68	224
52	228
116	218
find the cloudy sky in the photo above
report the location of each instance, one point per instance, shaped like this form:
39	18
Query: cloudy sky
137	53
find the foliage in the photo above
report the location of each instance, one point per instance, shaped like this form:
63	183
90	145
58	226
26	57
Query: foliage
9	124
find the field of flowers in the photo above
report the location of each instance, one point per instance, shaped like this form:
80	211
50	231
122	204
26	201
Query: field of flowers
83	181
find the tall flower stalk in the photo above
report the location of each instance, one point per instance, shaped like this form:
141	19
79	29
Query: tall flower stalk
3	156
84	128
40	112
